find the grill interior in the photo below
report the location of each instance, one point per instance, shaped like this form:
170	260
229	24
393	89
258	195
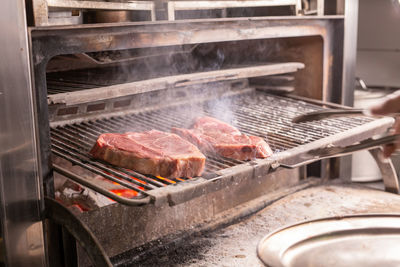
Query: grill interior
257	113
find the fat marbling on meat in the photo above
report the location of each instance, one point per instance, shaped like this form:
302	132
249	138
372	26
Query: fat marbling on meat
153	152
213	136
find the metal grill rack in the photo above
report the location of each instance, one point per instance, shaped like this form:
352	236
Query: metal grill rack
76	81
257	113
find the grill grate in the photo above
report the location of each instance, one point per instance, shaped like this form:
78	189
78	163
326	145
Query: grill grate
260	114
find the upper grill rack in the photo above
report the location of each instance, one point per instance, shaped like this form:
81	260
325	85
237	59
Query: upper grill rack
258	113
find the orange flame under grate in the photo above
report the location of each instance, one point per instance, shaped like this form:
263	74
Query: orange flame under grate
166	179
127	193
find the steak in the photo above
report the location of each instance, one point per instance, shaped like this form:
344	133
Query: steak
216	137
153	152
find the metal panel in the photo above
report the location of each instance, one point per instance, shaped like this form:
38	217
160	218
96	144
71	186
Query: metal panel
349	64
378	55
349	51
130	88
20	185
49	42
206	5
41	7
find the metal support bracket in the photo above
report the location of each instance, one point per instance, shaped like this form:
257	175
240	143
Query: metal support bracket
389	175
64	217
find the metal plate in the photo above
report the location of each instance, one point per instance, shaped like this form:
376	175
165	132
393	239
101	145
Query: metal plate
360	240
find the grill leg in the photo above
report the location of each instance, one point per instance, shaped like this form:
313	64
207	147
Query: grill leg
60	215
69	246
388	171
54	246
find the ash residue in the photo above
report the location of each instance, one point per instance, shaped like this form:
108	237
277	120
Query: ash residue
178	253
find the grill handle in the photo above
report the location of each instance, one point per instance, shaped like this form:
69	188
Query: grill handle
389	175
333	113
363	145
338	151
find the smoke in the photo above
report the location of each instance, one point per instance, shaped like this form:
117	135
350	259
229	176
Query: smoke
150	63
209	57
181	60
221	109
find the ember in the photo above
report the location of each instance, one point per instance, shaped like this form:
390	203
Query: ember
80	199
166	179
133	185
128	193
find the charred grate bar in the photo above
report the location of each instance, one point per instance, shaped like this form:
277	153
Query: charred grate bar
258	113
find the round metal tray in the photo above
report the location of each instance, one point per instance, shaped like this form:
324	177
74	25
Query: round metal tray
359	240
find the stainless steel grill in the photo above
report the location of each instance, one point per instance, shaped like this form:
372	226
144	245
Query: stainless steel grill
56	87
256	113
77	80
62	115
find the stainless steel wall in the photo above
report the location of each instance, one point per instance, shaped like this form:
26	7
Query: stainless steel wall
20	186
378	53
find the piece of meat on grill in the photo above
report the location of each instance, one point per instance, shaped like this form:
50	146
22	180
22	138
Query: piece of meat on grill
152	152
216	137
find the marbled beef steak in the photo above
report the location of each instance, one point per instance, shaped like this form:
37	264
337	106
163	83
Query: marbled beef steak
153	152
216	137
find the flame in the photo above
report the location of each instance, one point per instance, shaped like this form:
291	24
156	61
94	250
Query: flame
138	180
166	179
132	177
127	193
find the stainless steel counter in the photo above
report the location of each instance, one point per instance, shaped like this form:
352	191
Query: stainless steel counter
236	244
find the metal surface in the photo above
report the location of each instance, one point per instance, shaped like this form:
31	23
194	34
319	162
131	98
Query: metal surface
330	151
206	5
41	7
256	113
65	218
95	187
236	244
190	247
357	240
324	114
349	52
378	54
389	173
365	144
351	11
131	88
332	113
61	115
49	42
21	202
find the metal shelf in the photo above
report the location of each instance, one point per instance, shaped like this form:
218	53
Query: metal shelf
130	88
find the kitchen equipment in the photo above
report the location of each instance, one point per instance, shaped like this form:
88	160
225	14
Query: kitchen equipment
113	77
357	240
326	114
336	151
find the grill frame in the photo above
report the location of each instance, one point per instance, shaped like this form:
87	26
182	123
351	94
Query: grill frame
176	192
48	42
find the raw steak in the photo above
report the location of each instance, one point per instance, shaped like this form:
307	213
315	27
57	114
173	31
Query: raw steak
153	152
217	137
